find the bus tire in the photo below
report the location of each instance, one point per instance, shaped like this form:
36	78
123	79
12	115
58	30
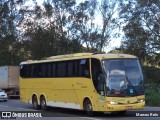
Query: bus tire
35	102
87	105
43	103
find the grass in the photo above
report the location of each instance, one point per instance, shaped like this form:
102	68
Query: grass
152	95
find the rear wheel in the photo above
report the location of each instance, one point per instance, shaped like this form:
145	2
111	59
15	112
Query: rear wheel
35	103
88	107
43	103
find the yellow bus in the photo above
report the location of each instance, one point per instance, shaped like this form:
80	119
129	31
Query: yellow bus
84	81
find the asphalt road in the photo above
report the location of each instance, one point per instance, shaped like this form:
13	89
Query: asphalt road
68	114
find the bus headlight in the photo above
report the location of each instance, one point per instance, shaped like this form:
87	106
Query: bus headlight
112	103
140	100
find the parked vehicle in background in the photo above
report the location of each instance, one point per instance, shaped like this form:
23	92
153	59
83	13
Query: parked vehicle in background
3	96
9	80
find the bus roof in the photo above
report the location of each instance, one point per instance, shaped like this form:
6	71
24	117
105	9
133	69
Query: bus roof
80	56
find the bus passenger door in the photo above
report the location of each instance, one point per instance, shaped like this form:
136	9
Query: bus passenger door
99	83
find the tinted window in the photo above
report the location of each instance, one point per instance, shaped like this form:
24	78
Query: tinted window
49	70
44	70
96	75
84	69
70	68
75	68
23	70
54	69
39	70
61	71
33	70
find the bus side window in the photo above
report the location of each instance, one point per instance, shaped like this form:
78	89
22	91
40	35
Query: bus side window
43	70
33	71
84	68
61	71
49	70
54	69
97	75
70	69
23	71
28	71
75	68
39	70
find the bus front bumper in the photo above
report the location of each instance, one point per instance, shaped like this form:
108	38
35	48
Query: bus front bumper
119	107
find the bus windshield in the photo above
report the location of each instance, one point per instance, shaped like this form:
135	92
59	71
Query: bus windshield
124	77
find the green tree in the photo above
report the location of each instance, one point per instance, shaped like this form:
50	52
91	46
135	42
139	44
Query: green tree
135	41
110	27
142	28
10	17
48	30
95	36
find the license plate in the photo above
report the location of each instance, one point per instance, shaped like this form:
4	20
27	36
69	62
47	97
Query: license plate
128	107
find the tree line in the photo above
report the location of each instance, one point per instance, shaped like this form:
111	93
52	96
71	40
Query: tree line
29	30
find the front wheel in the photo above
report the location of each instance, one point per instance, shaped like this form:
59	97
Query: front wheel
88	107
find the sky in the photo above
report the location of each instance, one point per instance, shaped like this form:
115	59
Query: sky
115	42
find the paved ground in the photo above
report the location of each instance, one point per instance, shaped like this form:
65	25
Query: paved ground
67	114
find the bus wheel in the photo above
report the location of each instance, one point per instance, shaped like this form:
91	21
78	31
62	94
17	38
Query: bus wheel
43	103
88	107
35	103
